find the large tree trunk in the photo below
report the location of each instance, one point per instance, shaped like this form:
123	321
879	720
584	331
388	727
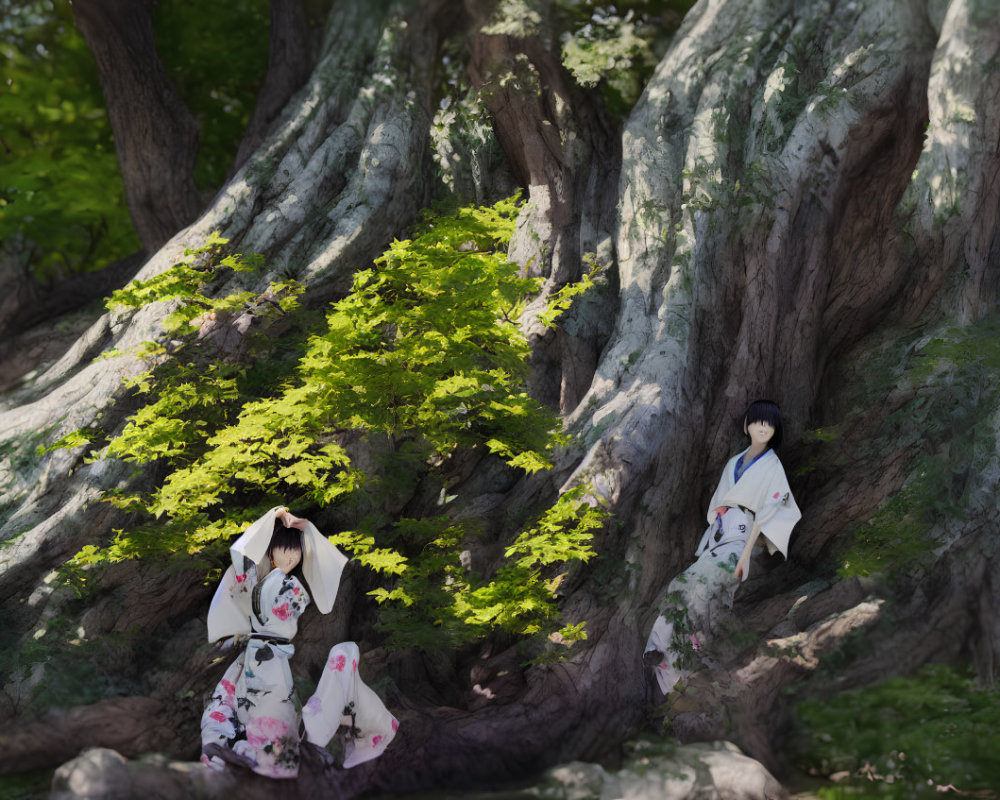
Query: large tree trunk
288	66
324	195
807	193
156	137
29	306
566	150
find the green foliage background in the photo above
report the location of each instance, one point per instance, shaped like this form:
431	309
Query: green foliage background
614	47
904	737
217	61
423	358
62	203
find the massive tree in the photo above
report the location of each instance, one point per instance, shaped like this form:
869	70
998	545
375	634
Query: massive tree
803	204
156	137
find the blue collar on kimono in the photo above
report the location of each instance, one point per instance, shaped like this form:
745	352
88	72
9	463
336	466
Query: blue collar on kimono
739	473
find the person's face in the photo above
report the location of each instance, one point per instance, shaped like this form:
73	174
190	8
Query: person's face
286	558
760	433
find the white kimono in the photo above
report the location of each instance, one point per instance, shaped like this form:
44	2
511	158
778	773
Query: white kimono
763	490
253	718
701	596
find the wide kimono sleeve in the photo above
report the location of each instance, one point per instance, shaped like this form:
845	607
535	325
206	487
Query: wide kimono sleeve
341	695
776	511
322	563
229	614
323	566
763	489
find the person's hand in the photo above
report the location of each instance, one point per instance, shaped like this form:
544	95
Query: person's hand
236	641
743	565
289	520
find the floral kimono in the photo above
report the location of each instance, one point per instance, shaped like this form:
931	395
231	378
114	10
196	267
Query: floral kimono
253	715
703	594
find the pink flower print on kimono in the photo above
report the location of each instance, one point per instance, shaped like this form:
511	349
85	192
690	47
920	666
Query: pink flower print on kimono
266	731
282	601
225	724
290	600
220	723
337	662
252	717
271	736
342	697
241	585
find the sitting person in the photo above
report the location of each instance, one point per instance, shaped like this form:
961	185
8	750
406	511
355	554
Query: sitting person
752	499
281	564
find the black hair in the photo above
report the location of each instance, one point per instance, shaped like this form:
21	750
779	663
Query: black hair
283	538
766	411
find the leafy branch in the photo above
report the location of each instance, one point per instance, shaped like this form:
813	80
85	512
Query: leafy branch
423	357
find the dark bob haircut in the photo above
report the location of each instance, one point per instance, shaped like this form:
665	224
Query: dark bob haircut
284	538
288	539
766	411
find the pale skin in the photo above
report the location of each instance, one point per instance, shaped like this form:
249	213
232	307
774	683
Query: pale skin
285	558
289	520
760	434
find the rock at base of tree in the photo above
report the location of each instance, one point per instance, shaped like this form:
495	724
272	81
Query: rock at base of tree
102	773
706	770
652	771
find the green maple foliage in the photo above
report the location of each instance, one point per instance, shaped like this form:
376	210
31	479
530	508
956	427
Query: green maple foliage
426	356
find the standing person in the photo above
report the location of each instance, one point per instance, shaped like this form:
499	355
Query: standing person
752	500
281	563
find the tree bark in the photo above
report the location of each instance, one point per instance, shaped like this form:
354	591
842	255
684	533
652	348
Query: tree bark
156	137
566	151
807	194
28	307
289	63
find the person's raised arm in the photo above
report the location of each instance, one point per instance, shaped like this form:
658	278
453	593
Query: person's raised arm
289	520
